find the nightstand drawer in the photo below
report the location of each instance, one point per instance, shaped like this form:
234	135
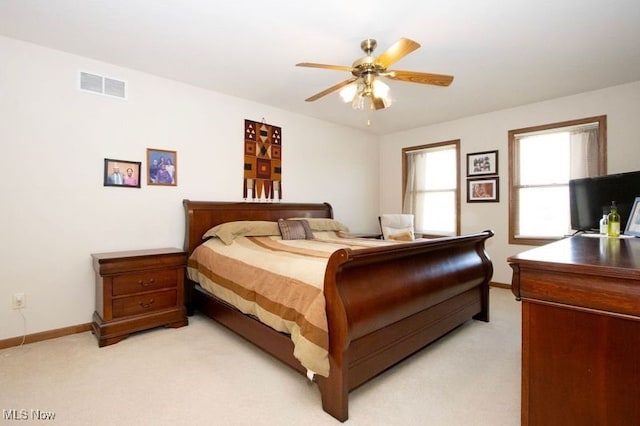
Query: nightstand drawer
142	303
132	283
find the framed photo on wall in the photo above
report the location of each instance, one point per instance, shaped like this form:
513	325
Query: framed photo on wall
122	173
162	167
482	163
633	224
483	190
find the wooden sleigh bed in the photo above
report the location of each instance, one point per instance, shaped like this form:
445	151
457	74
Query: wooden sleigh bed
424	289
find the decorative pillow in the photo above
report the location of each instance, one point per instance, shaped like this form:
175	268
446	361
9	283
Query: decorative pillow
295	229
393	224
323	224
228	231
405	235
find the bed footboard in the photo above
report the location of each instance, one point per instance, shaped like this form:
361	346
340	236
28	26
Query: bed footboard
385	303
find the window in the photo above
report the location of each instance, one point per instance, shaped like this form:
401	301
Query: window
542	161
431	187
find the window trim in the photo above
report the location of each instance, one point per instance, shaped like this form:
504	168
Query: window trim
456	144
513	193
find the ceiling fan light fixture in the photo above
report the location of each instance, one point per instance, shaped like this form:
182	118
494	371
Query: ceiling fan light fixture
358	101
349	92
381	90
356	93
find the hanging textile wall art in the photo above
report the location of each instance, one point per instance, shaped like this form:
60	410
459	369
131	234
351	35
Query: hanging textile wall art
262	161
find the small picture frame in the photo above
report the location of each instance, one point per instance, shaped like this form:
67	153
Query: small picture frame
483	190
482	163
633	224
162	167
122	173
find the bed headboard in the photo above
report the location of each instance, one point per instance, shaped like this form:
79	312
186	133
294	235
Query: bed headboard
202	215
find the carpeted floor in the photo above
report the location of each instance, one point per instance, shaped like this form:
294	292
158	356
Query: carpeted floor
205	375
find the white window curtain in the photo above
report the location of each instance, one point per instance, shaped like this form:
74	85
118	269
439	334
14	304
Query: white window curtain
584	152
415	159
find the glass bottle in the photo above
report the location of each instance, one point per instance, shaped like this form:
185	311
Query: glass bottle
613	228
604	222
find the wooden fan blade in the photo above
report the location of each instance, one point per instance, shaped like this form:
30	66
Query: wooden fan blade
399	50
331	89
324	66
377	103
421	77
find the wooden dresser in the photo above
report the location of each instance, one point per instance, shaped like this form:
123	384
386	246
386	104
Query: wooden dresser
138	290
580	331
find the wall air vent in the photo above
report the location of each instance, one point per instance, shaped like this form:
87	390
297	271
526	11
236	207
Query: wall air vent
101	85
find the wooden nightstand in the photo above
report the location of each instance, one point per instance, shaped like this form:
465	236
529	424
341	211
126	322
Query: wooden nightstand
138	290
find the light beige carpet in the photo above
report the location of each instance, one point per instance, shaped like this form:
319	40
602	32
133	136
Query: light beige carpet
205	375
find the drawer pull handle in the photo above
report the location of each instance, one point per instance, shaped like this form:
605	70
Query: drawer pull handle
147	283
147	305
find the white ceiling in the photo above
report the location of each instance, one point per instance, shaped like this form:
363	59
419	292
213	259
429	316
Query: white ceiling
502	53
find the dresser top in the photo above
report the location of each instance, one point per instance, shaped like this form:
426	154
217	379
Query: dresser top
601	252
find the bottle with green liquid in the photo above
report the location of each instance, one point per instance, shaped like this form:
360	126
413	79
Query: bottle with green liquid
613	228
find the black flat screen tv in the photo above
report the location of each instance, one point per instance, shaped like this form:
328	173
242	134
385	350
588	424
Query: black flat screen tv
588	197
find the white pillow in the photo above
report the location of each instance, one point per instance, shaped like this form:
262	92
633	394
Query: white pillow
324	224
394	224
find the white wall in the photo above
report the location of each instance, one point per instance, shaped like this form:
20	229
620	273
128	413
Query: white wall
56	212
488	132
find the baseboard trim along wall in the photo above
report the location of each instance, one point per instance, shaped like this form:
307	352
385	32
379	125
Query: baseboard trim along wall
500	285
44	335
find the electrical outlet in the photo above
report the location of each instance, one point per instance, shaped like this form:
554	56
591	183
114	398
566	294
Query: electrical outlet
19	301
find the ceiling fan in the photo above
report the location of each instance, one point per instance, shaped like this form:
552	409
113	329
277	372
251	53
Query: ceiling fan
366	71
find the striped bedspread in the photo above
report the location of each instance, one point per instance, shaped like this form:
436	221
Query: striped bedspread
279	282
